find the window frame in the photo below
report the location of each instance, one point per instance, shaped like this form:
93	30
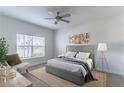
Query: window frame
32	46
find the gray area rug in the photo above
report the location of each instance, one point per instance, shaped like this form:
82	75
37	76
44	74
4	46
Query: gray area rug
35	81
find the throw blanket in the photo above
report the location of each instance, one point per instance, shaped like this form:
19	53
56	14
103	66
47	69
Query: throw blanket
89	76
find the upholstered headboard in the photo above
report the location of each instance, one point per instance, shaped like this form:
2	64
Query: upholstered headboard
83	48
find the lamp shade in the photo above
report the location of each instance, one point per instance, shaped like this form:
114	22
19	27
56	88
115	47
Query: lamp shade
102	47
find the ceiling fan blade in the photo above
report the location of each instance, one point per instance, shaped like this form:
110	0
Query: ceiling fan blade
49	18
65	20
66	15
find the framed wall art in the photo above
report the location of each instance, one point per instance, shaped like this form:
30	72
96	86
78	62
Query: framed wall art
79	38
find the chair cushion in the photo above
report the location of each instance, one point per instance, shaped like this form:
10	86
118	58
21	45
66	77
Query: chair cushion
22	67
13	59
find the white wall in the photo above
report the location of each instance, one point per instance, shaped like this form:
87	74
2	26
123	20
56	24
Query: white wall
108	30
9	27
123	38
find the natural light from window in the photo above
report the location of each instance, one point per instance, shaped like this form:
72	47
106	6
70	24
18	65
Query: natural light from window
30	46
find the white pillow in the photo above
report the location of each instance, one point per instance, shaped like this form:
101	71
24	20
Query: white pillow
70	54
62	55
82	55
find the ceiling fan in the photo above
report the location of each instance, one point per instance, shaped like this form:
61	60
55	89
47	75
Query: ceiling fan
59	18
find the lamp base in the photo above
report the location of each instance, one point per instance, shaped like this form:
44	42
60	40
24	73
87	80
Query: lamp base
103	64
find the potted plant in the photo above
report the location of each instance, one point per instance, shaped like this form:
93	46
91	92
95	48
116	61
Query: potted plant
3	51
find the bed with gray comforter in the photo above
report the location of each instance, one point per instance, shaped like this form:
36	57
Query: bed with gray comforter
76	71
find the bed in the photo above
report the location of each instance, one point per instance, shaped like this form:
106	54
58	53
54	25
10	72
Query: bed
68	71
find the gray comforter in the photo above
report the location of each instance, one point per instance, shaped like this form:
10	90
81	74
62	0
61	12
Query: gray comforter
73	65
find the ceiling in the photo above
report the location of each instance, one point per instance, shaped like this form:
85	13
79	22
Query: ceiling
79	14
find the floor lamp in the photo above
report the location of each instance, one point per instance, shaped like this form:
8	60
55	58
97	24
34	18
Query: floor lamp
102	48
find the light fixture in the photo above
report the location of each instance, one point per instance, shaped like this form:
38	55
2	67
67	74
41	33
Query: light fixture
102	48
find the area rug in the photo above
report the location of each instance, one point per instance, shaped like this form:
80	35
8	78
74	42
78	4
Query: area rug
55	81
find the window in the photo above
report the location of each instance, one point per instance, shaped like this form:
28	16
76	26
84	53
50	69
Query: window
30	46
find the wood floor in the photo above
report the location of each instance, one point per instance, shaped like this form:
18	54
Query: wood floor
115	81
112	81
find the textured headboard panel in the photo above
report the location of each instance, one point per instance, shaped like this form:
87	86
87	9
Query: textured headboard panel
83	48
